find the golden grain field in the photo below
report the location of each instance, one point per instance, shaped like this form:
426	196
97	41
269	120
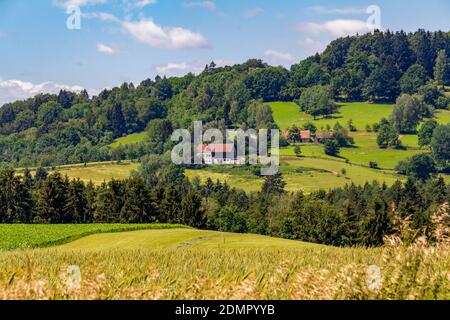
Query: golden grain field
418	271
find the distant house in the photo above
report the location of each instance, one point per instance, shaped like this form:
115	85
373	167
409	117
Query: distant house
322	136
220	154
305	136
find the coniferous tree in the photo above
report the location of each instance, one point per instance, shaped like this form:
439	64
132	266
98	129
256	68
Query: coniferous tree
423	50
16	202
75	209
442	69
117	120
402	53
91	196
109	201
192	211
137	207
170	205
41	174
51	197
376	224
28	178
273	184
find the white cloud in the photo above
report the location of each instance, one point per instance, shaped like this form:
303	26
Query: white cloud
172	68
279	56
77	3
200	4
330	10
12	90
180	69
339	27
311	42
253	12
143	3
103	48
312	46
149	33
103	16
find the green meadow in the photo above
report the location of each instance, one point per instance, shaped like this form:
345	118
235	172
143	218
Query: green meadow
129	139
305	174
21	236
365	149
287	114
312	171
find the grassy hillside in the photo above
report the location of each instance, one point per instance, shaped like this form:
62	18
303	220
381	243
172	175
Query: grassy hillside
301	174
313	171
97	172
181	238
443	116
193	264
101	172
288	113
38	235
365	149
129	139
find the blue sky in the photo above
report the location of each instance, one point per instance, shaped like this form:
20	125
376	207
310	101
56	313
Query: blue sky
131	40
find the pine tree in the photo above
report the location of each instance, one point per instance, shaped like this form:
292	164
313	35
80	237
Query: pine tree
192	210
442	69
15	199
41	174
423	50
274	184
117	120
402	52
170	205
28	178
51	199
137	207
75	210
91	195
376	224
109	202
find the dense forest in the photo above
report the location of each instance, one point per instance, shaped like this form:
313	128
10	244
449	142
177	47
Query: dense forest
74	128
159	192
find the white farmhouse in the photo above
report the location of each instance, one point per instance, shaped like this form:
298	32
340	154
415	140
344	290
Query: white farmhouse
220	154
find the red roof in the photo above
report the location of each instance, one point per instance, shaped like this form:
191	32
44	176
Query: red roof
224	148
305	134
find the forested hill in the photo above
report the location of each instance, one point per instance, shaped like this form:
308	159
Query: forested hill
72	128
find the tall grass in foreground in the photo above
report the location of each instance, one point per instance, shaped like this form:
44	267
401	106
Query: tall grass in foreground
415	272
411	268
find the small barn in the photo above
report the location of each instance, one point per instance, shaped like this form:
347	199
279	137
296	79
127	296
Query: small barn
305	136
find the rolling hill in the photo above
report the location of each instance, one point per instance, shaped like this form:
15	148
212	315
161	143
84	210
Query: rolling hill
181	239
194	264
